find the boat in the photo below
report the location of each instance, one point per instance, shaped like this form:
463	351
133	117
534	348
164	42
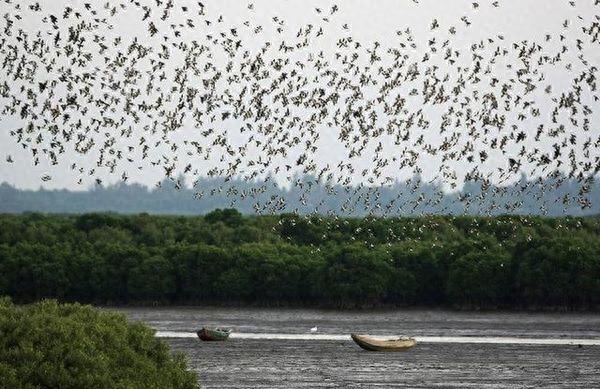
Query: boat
373	344
213	334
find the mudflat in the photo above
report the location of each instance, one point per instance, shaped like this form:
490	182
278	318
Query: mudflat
330	359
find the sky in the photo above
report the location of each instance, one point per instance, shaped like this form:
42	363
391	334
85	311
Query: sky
508	23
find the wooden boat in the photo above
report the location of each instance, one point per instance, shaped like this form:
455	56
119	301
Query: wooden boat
213	334
372	344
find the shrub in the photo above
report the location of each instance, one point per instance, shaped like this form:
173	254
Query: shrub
51	345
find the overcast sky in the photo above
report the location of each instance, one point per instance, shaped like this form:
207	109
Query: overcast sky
368	21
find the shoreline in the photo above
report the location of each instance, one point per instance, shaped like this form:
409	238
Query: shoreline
326	308
566	341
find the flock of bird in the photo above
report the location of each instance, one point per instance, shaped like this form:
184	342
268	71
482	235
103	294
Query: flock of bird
158	84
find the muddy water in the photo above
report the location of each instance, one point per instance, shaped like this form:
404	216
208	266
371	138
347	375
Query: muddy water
275	349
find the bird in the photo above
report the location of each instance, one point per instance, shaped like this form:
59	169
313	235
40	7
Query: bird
260	104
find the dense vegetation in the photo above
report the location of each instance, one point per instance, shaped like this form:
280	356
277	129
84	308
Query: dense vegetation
224	257
49	345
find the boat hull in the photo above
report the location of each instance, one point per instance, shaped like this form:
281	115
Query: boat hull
371	344
212	335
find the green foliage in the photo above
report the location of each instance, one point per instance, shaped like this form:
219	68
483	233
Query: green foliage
480	279
152	279
229	217
560	271
51	345
224	257
354	275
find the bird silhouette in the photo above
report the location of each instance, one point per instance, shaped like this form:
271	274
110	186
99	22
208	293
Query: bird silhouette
193	93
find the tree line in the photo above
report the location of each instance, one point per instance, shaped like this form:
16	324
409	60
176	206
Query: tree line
412	197
504	262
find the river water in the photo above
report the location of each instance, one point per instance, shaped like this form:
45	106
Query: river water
274	348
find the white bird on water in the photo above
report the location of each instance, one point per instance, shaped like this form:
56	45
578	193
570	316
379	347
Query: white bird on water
313	330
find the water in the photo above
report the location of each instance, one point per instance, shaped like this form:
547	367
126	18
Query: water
273	348
420	339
